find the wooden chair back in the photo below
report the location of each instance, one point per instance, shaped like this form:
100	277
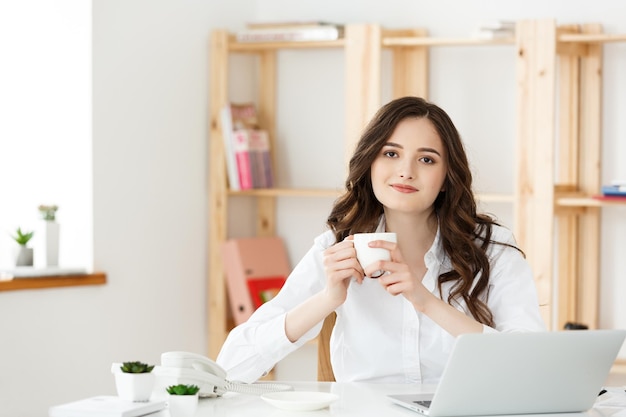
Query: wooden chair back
324	368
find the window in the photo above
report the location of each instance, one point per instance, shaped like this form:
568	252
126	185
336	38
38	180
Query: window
45	127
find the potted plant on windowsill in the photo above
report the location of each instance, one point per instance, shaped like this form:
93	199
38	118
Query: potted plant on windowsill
24	254
135	381
182	400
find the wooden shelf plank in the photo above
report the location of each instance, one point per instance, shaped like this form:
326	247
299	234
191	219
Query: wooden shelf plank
426	41
591	38
287	192
587	202
234	46
32	283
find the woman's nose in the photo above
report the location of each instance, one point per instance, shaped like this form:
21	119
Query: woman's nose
406	170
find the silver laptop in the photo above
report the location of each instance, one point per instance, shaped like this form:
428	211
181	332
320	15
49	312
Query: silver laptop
521	373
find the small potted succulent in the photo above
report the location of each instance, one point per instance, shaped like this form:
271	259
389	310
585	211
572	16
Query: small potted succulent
182	400
135	381
24	254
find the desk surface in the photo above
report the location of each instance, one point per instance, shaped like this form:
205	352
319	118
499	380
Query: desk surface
355	400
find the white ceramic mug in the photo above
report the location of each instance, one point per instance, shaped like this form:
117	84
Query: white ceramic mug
366	255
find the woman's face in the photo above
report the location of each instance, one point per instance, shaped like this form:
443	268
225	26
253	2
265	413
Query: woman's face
410	169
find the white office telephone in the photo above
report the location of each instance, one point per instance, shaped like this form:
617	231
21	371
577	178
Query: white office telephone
191	368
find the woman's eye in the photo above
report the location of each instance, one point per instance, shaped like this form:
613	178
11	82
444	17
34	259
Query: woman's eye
390	154
427	160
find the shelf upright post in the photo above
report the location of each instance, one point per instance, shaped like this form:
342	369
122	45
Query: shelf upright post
218	199
363	45
567	175
410	65
590	142
266	205
534	187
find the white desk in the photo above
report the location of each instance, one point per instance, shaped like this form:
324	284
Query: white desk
355	400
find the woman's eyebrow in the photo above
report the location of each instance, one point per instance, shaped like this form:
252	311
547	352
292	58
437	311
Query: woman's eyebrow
431	150
397	145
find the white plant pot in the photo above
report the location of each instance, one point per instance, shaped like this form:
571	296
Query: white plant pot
182	405
23	256
134	387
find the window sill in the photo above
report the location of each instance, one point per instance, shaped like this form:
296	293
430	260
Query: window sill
33	283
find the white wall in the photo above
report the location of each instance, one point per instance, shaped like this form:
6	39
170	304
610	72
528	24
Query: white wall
150	88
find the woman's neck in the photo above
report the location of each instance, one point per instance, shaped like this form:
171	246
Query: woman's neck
415	234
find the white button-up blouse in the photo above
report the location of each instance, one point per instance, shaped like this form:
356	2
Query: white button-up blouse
379	337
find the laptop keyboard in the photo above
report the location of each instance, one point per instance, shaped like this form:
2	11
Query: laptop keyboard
423	403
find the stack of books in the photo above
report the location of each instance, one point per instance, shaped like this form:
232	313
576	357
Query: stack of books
614	191
248	160
290	32
499	29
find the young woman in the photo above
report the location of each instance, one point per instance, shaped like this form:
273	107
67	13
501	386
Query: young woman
452	270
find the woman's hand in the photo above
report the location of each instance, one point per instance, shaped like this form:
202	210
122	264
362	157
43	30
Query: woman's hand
398	278
341	266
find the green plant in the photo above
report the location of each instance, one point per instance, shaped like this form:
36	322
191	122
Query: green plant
22	238
48	212
136	367
182	389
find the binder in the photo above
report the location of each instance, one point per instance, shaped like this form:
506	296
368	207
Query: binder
258	264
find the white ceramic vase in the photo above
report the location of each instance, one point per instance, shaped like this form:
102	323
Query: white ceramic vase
134	387
46	243
51	235
182	405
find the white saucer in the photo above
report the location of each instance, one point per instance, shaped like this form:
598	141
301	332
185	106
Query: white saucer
299	400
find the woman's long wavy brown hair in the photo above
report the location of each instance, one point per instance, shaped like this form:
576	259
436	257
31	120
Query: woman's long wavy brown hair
465	233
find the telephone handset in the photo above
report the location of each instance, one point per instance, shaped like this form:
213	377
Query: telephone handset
191	368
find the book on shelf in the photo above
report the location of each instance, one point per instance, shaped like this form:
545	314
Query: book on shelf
614	190
255	268
497	29
498	25
241	150
289	24
291	33
252	155
260	158
615	198
235	116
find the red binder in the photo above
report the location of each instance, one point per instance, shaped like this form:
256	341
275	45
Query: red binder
255	269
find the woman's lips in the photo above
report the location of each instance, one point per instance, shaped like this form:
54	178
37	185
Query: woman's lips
404	188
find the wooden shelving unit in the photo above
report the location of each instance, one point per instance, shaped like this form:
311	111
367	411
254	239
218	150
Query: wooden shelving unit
541	198
362	100
558	221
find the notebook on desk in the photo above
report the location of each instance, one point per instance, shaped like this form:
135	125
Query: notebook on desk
521	373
